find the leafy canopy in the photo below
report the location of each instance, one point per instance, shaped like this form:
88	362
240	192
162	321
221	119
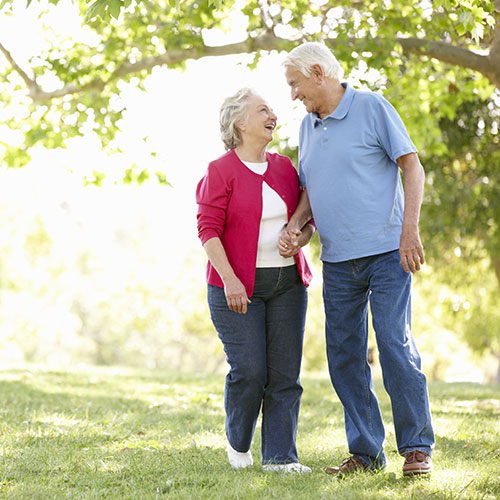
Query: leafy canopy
423	54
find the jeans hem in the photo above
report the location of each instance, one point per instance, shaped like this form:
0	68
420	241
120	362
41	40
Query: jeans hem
371	465
423	449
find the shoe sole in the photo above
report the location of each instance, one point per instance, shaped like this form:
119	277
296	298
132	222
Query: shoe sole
416	472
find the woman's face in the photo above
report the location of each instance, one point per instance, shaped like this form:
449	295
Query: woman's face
260	123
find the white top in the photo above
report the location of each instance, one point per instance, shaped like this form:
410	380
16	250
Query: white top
274	218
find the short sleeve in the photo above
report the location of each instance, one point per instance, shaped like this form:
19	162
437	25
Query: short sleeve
302	177
390	130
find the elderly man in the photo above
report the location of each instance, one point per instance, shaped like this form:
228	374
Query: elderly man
352	145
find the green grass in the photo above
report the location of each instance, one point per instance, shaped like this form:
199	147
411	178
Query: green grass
130	434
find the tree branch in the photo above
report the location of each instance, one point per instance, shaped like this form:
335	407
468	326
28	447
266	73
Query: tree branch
267	41
495	44
33	87
447	53
487	65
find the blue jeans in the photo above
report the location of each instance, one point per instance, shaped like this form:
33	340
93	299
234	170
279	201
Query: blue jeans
347	289
264	351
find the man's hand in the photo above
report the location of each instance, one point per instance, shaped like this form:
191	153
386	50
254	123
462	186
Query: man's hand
288	243
411	251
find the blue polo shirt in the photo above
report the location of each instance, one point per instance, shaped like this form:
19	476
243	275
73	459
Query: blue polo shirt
347	162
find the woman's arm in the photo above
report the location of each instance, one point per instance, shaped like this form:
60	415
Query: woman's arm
234	289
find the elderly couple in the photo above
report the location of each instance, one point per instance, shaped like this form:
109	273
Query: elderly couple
255	213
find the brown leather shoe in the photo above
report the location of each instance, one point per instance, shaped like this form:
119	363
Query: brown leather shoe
417	462
348	466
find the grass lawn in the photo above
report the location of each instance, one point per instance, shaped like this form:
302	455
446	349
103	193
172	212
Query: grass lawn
135	434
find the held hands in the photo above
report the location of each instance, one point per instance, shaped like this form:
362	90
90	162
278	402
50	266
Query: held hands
288	243
236	295
411	251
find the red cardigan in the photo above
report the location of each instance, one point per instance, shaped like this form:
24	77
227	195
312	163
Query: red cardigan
229	199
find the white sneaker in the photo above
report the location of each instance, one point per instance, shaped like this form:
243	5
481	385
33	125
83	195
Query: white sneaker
238	459
295	467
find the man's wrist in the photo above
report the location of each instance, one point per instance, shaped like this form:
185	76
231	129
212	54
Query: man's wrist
292	226
409	227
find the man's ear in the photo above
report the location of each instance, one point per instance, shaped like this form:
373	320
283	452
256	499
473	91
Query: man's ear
317	73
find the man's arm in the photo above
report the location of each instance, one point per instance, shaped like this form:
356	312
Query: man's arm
302	214
411	250
292	237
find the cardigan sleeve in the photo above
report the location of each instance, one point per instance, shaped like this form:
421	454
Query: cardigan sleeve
212	195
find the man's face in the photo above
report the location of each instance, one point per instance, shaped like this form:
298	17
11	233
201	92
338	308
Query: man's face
302	88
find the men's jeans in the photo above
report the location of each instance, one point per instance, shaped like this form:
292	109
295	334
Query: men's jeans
347	288
264	350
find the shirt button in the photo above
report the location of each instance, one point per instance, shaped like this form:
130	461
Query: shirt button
325	128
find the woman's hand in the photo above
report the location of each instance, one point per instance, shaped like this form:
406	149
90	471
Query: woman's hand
288	243
236	295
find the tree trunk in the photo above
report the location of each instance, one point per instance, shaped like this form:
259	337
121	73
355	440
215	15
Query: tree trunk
495	264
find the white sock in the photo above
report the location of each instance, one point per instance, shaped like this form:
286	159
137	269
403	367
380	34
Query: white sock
238	459
295	467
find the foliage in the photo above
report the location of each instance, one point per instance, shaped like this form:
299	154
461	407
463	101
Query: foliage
108	9
113	433
460	219
463	188
435	61
124	40
87	277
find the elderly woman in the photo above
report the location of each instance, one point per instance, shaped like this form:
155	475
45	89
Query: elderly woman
257	298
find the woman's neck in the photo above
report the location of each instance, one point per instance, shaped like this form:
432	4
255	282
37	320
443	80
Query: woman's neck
251	153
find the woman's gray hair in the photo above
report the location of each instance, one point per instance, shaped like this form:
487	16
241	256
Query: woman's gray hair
232	111
305	56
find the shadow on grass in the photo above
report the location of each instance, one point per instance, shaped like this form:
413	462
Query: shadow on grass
121	434
29	413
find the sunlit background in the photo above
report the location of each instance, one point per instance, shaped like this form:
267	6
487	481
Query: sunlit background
115	274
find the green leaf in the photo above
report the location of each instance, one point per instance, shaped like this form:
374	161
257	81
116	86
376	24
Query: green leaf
95	10
114	8
467	20
477	31
478	12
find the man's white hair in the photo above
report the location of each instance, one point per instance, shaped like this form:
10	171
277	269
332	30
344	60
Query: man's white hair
305	56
